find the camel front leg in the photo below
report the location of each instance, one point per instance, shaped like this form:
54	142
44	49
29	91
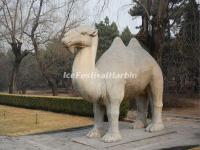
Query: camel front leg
113	133
97	130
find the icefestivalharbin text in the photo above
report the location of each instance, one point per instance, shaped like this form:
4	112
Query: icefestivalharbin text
107	75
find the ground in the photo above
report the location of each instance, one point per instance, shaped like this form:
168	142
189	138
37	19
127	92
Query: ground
18	121
186	134
184	122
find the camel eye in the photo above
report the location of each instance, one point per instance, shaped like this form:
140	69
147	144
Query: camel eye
83	33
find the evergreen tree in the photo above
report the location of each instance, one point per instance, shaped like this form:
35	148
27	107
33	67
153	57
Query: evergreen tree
156	16
189	41
126	36
107	32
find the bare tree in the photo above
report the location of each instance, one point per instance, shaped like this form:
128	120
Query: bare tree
13	25
67	24
29	25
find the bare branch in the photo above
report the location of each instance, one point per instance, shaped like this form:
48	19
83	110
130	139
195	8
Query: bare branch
27	19
36	22
6	24
15	16
34	27
10	16
1	7
66	20
27	34
143	6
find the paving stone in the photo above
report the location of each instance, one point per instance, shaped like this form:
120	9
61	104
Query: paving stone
185	134
128	136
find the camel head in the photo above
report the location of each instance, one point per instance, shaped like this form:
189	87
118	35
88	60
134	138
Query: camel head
79	37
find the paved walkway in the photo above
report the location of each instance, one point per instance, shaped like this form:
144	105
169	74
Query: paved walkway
187	132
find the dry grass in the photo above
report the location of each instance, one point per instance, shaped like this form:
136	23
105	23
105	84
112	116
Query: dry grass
18	121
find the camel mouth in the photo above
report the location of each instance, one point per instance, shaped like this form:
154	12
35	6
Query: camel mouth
77	45
67	44
73	47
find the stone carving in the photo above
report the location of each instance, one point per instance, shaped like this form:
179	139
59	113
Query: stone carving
106	94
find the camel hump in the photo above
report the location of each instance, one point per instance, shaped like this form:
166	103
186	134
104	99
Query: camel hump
117	43
134	43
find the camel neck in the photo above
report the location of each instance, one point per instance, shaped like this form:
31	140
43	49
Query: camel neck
85	59
84	63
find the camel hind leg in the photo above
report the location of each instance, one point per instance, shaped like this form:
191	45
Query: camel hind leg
156	91
141	118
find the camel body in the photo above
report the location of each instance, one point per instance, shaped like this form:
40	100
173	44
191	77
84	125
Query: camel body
108	93
131	59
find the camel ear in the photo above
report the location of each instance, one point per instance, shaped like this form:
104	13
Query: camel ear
94	33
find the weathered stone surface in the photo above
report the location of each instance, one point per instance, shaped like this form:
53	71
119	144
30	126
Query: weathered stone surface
187	133
146	83
127	137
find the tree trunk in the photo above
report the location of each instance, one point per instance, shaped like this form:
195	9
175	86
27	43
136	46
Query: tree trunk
196	82
158	40
53	86
159	24
54	90
19	55
12	84
159	11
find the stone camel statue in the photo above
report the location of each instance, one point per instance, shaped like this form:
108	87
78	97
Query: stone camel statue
109	92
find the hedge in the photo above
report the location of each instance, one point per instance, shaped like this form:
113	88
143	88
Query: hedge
70	105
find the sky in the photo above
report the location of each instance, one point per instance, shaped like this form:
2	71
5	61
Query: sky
116	10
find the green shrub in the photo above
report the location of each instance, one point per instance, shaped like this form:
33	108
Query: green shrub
70	105
124	109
